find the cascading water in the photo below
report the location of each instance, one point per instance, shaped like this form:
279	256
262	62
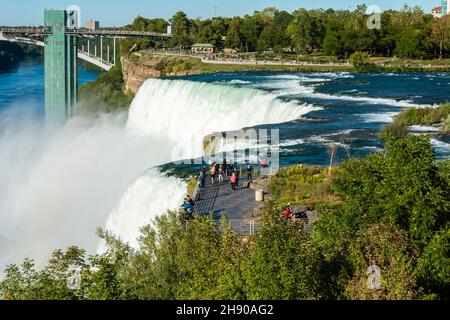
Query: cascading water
60	186
184	112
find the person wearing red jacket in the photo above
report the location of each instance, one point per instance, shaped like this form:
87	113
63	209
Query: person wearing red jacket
288	212
234	181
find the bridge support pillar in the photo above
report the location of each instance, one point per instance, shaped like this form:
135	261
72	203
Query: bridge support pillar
101	48
61	74
114	58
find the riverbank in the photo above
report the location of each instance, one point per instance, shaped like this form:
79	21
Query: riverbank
12	54
140	66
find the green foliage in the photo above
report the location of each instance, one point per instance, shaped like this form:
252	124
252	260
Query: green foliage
105	94
283	265
360	60
403	187
417	116
396	129
409	44
424	116
181	30
152	25
446	125
25	283
386	246
434	265
300	184
8	61
407	33
11	54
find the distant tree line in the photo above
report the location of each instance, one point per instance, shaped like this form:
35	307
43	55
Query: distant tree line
11	54
407	33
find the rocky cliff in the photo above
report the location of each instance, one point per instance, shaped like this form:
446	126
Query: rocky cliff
140	66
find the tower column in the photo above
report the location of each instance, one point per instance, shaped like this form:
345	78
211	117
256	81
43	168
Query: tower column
61	75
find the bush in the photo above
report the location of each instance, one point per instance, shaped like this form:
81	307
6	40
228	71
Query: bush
360	60
105	94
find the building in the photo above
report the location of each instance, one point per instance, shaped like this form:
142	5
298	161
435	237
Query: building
93	25
203	48
230	51
445	7
61	75
437	12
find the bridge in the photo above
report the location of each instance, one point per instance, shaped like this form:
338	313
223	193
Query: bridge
60	39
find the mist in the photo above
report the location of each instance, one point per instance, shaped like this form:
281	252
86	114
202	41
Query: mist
59	185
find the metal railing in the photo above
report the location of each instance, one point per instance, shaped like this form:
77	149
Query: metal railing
251	227
242	227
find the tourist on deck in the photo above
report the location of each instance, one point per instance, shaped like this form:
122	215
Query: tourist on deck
225	167
221	174
288	212
187	207
263	163
230	168
249	172
234	181
189	200
213	173
202	179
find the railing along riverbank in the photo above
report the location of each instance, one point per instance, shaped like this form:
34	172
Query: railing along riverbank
214	59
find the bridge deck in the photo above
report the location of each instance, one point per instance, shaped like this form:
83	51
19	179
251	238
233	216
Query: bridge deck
85	32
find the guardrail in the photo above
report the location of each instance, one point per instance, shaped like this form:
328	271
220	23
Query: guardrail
251	227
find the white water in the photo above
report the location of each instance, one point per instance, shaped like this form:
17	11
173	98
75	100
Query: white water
58	187
292	86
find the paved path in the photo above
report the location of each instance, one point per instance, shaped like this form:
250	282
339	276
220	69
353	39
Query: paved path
238	206
220	198
246	62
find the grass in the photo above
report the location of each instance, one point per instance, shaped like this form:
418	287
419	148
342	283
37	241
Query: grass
303	185
418	116
211	68
424	116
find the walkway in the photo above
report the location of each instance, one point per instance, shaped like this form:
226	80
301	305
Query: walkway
239	207
246	62
220	198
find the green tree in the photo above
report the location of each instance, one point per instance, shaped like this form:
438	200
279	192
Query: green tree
360	60
409	44
250	31
283	265
385	246
181	27
441	34
233	38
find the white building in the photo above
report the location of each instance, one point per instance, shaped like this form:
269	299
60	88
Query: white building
437	12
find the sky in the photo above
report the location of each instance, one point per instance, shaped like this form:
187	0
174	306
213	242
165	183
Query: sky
122	12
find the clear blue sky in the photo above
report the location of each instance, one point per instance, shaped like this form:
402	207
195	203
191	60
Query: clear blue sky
121	12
